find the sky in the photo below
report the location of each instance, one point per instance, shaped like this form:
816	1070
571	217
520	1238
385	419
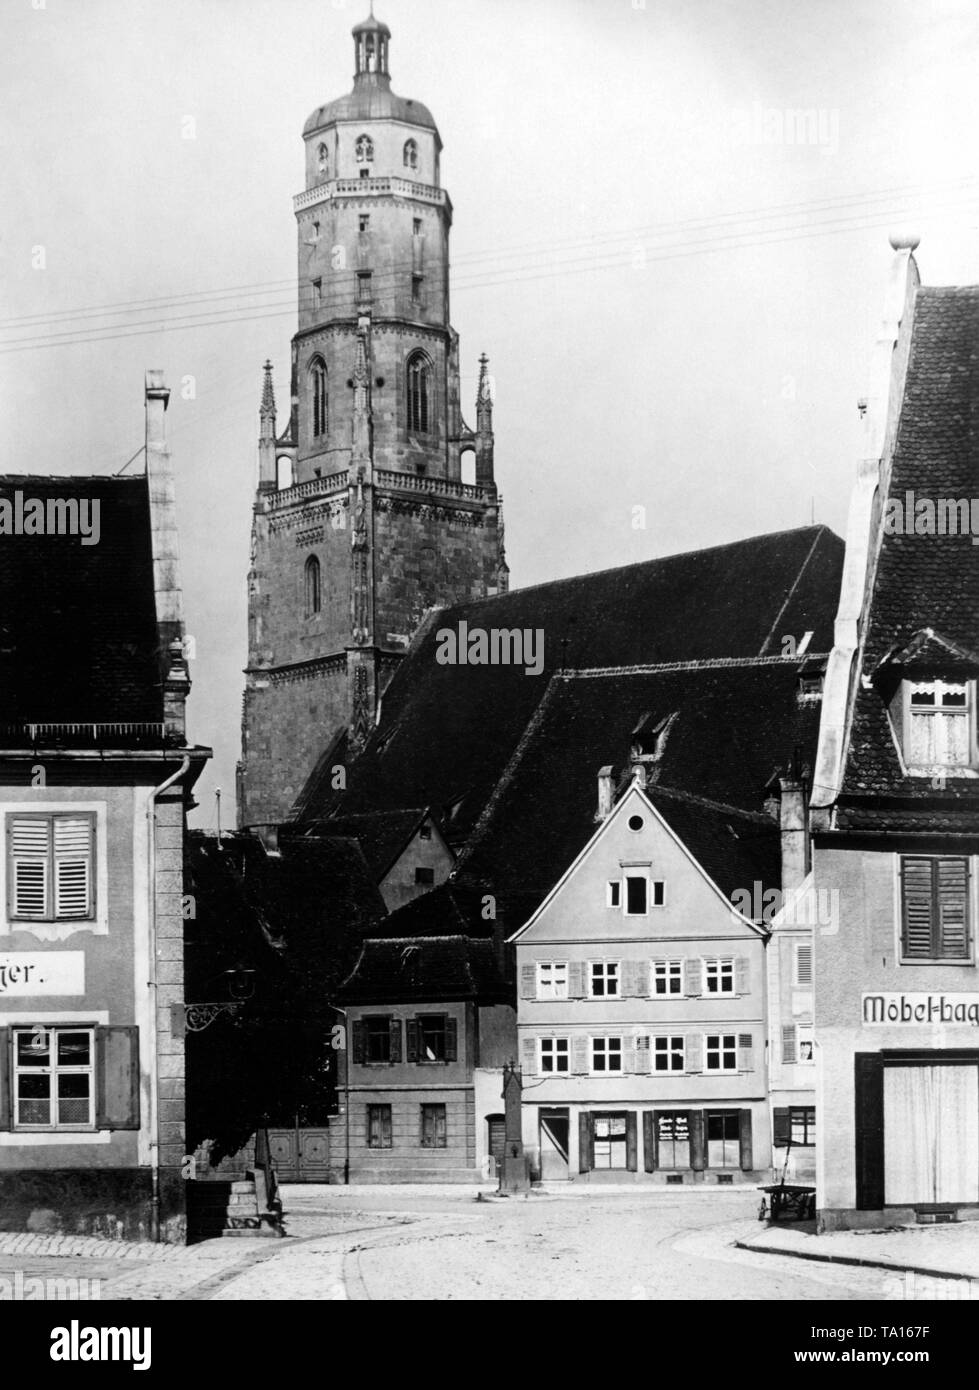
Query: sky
677	283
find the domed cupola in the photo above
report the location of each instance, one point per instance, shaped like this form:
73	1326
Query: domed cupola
371	41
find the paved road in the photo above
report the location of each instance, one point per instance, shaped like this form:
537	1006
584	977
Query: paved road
372	1243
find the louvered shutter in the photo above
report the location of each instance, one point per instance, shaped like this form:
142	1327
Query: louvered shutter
694	1053
628	1056
781	1126
643	1055
451	1040
6	1079
528	1052
744	1134
577	975
528	981
803	965
72	866
953	907
631	1142
698	1149
395	1035
411	1039
692	977
788	1044
586	1142
635	983
742	975
579	1056
649	1140
117	1077
916	907
30	861
745	1052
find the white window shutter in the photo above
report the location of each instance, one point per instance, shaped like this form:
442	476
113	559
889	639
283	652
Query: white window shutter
803	965
528	981
745	1052
577	975
643	1055
72	866
580	1060
529	1056
694	1052
742	975
788	1044
692	977
30	857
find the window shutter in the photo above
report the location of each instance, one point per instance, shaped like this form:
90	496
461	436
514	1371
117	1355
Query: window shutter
586	1142
953	906
528	981
411	1039
358	1041
117	1077
631	1142
528	1050
744	1135
781	1126
386	1120
788	1044
745	1052
395	1028
694	1052
698	1149
579	1056
30	855
6	1080
451	1040
649	1140
803	965
636	982
577	974
916	907
692	977
72	866
742	975
644	1055
868	1075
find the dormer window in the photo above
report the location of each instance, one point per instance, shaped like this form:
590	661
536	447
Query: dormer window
365	149
940	724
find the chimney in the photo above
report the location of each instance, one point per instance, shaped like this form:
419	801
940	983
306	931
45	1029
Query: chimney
794	824
604	793
166	559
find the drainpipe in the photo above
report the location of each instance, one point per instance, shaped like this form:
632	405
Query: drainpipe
181	771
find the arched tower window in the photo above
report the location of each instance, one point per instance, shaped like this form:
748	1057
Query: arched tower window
314	600
411	154
419	393
323	159
317	389
365	149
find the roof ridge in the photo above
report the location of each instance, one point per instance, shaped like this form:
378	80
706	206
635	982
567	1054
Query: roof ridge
709	664
757	817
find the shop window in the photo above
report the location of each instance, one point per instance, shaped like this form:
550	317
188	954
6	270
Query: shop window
673	1139
606	1055
611	1141
668	1054
552	980
723	1139
722	1052
667	977
603	979
379	1126
554	1055
54	1078
433	1127
935	914
51	867
718	977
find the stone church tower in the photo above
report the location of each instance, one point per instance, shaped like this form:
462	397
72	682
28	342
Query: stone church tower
362	521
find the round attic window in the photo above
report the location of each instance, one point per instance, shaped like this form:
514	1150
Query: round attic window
636	822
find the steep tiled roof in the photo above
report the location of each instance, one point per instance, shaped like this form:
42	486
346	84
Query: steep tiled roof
429	969
382	835
922	582
78	630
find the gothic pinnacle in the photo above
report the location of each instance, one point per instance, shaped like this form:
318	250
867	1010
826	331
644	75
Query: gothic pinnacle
268	393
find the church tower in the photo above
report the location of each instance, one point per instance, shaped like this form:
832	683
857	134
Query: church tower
362	521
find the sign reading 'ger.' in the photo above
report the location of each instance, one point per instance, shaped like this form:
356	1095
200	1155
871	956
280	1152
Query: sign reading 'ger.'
890	1009
42	973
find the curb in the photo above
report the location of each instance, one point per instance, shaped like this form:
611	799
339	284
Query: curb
859	1260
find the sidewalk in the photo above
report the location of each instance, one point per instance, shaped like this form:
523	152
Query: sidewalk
941	1252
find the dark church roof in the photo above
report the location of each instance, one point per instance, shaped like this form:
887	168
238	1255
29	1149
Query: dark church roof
925	598
78	628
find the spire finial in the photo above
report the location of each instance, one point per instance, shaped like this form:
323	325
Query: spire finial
268	392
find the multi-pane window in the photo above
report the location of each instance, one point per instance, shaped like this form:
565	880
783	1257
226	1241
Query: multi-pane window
51	866
431	1038
365	286
364	222
718	976
673	1139
941	720
364	149
935	917
378	1126
317	385
433	1127
668	1054
377	1039
606	1054
554	1054
722	1052
552	980
667	977
802	1122
419	394
53	1078
603	979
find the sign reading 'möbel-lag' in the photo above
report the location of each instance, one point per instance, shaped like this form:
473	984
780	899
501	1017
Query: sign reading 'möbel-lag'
891	1009
41	973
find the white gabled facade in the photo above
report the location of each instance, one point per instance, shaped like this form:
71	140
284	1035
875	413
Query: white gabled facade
641	1016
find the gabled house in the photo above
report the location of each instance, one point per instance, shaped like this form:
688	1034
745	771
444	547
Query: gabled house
895	809
96	776
642	1001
